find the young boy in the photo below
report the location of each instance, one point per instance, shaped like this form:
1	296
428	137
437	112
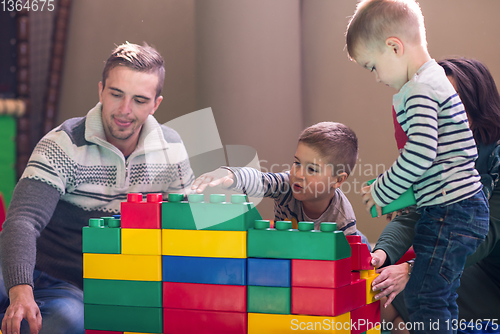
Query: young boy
388	37
326	154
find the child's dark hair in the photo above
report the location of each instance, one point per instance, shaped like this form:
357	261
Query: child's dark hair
335	142
479	94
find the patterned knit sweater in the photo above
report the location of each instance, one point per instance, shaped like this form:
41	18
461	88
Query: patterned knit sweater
74	174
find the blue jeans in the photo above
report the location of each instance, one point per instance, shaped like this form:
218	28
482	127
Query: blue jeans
444	236
60	303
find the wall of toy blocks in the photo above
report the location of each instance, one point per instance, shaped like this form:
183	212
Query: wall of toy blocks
213	266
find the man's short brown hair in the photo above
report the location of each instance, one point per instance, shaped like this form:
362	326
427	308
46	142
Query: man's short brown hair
138	58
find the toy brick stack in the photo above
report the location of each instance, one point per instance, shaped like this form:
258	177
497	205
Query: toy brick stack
195	267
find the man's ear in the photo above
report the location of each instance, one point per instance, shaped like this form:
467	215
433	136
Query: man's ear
100	91
396	45
156	104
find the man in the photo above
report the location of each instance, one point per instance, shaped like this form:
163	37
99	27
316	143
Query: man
84	168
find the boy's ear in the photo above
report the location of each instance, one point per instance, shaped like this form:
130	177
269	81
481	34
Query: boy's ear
396	45
340	179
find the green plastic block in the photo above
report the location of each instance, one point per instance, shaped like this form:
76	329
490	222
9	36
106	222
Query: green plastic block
8	153
7	182
405	200
123	318
96	238
196	214
8	127
286	243
122	293
268	299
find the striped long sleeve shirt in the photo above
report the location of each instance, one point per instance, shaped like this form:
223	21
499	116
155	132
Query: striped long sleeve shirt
438	158
277	186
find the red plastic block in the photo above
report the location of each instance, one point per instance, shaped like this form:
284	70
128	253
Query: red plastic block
136	213
2	211
365	318
328	302
210	297
176	321
360	255
93	331
410	254
321	274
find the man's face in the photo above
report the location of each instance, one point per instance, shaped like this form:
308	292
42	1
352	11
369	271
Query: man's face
127	100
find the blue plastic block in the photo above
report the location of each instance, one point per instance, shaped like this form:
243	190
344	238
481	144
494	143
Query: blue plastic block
269	272
204	270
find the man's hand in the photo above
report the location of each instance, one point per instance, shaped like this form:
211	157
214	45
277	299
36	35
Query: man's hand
378	258
22	306
366	197
220	176
392	280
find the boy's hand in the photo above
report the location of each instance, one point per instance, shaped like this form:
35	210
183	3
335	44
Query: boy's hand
366	196
390	216
220	176
378	258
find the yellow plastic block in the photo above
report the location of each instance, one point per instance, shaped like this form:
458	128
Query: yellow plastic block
204	243
122	267
369	276
260	323
375	330
141	241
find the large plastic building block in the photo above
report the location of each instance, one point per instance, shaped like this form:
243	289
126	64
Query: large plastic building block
122	267
259	323
195	214
268	299
178	321
141	241
123	293
369	276
209	297
123	318
328	302
93	331
2	211
410	254
136	213
365	317
204	270
232	244
405	200
375	330
269	272
321	274
97	238
360	254
304	243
